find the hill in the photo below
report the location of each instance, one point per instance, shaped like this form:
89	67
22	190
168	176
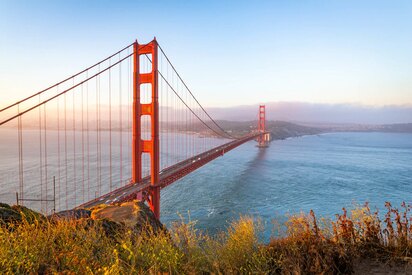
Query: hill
278	129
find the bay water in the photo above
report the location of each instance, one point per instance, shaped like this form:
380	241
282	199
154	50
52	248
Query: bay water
323	173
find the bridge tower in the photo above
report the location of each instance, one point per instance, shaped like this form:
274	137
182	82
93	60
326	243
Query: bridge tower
264	138
140	146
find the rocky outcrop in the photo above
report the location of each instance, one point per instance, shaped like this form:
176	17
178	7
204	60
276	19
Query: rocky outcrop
133	214
114	219
72	214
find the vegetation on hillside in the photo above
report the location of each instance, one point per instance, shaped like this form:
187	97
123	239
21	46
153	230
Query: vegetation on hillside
309	245
278	129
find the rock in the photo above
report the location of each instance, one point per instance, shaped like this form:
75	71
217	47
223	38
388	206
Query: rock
114	219
110	228
72	214
133	214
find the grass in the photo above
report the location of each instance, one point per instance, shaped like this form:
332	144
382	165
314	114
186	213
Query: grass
309	246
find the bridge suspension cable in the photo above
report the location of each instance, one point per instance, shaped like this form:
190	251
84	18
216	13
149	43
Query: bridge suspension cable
192	111
59	94
81	146
225	134
190	92
65	80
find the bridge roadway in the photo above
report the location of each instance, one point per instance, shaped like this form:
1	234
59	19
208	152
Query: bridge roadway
168	175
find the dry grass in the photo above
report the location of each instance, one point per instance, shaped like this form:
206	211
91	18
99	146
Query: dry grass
332	248
309	246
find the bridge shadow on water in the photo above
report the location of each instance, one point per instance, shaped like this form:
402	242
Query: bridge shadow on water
214	200
254	166
242	189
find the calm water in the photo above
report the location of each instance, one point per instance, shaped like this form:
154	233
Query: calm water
81	170
324	173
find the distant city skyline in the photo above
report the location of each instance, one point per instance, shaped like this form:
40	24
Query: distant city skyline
229	52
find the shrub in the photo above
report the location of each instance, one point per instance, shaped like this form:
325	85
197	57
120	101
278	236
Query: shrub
309	245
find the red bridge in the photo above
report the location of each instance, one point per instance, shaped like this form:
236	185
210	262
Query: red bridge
121	129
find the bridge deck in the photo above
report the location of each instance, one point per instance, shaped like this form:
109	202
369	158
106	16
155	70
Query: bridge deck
168	175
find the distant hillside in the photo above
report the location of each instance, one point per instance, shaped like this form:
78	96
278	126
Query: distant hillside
388	128
398	128
318	112
279	129
283	129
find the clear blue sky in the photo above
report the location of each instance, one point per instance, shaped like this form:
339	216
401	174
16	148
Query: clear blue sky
229	52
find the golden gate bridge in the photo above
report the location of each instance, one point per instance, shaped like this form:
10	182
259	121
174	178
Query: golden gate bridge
121	129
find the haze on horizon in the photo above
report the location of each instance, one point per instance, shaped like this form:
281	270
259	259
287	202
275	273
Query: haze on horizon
349	61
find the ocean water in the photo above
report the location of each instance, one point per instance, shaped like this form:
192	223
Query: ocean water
321	172
75	167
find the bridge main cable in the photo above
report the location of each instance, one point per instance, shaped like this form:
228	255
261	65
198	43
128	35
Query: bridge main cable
226	134
193	112
73	76
184	83
189	133
64	92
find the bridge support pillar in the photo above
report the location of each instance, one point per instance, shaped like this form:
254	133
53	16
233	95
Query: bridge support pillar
263	139
141	146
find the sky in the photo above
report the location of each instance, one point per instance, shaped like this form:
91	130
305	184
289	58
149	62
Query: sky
229	52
